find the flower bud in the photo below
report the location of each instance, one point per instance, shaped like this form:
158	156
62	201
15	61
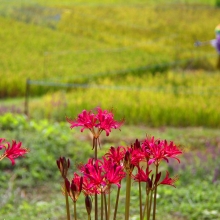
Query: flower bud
157	178
137	144
149	184
88	204
63	165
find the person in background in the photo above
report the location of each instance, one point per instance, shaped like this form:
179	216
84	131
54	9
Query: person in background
215	43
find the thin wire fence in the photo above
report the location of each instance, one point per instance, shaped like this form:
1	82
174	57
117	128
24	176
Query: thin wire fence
178	90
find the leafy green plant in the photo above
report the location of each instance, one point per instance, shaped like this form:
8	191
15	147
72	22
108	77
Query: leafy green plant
9	121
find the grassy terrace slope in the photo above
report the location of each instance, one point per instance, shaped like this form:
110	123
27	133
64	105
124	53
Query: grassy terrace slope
175	99
72	42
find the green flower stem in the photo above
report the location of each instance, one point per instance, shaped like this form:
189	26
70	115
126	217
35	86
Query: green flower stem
89	217
116	203
102	206
106	211
95	143
75	216
67	203
109	203
2	156
150	205
96	207
95	146
146	204
155	195
128	191
140	200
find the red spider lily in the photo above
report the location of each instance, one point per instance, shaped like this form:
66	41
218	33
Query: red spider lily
87	189
158	150
96	123
12	151
169	181
114	173
100	175
137	153
134	156
137	156
84	168
74	189
142	176
171	150
63	165
1	141
86	120
94	172
106	121
116	154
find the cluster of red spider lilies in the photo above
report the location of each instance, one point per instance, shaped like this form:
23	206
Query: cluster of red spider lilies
138	162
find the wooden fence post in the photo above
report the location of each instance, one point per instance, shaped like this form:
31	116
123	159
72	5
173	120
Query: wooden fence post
27	91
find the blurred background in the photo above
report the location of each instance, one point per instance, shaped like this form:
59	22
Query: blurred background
136	57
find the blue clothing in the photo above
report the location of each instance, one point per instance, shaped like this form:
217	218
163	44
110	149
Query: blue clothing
216	43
